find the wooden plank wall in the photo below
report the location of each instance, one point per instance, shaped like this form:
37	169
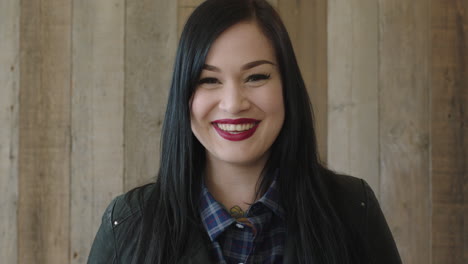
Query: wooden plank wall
184	9
84	85
97	117
404	125
397	97
9	90
353	116
379	110
150	46
449	79
44	132
306	24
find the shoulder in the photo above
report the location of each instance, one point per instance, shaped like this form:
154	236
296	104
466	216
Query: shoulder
345	190
352	198
121	217
130	204
342	182
356	204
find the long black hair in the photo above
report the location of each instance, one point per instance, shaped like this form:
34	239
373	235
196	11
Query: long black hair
172	210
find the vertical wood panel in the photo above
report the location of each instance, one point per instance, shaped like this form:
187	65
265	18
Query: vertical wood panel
150	45
450	131
404	125
274	3
191	3
9	87
44	123
72	85
183	13
306	22
353	145
97	117
184	10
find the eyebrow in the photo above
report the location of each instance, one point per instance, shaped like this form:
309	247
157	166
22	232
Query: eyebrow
247	66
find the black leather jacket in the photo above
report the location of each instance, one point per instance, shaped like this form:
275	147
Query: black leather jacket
353	200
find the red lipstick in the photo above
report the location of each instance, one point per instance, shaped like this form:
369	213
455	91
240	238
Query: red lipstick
239	135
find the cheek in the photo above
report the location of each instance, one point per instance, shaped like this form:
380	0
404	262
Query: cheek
271	101
196	107
200	108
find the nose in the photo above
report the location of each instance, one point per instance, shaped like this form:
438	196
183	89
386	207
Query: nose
234	99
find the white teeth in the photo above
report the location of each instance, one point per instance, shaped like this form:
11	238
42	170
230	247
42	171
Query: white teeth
235	128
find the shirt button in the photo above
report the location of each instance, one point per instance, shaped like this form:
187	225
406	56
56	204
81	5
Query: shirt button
241	227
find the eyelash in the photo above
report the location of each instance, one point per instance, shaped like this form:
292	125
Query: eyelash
258	77
253	78
208	81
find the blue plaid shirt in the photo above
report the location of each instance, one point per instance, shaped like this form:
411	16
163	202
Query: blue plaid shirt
257	238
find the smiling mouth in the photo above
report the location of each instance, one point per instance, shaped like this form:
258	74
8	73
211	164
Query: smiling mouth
236	129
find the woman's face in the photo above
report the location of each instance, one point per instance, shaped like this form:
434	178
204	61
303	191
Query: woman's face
237	110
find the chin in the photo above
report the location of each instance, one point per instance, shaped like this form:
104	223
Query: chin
241	159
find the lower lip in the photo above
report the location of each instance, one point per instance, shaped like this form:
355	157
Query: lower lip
238	136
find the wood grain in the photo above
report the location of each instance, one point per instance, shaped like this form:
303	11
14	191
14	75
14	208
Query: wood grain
150	46
189	3
9	86
97	117
404	121
183	13
274	3
44	130
306	22
84	87
449	116
353	58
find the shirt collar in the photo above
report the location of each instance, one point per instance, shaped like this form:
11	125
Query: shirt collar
216	218
271	200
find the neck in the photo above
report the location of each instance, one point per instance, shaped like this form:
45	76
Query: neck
231	184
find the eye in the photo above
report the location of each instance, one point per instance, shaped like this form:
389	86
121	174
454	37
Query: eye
258	77
208	80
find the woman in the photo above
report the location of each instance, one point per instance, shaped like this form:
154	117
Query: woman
240	179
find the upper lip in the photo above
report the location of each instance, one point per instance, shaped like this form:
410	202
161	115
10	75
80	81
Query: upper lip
236	121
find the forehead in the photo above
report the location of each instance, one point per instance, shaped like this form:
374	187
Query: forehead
239	44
